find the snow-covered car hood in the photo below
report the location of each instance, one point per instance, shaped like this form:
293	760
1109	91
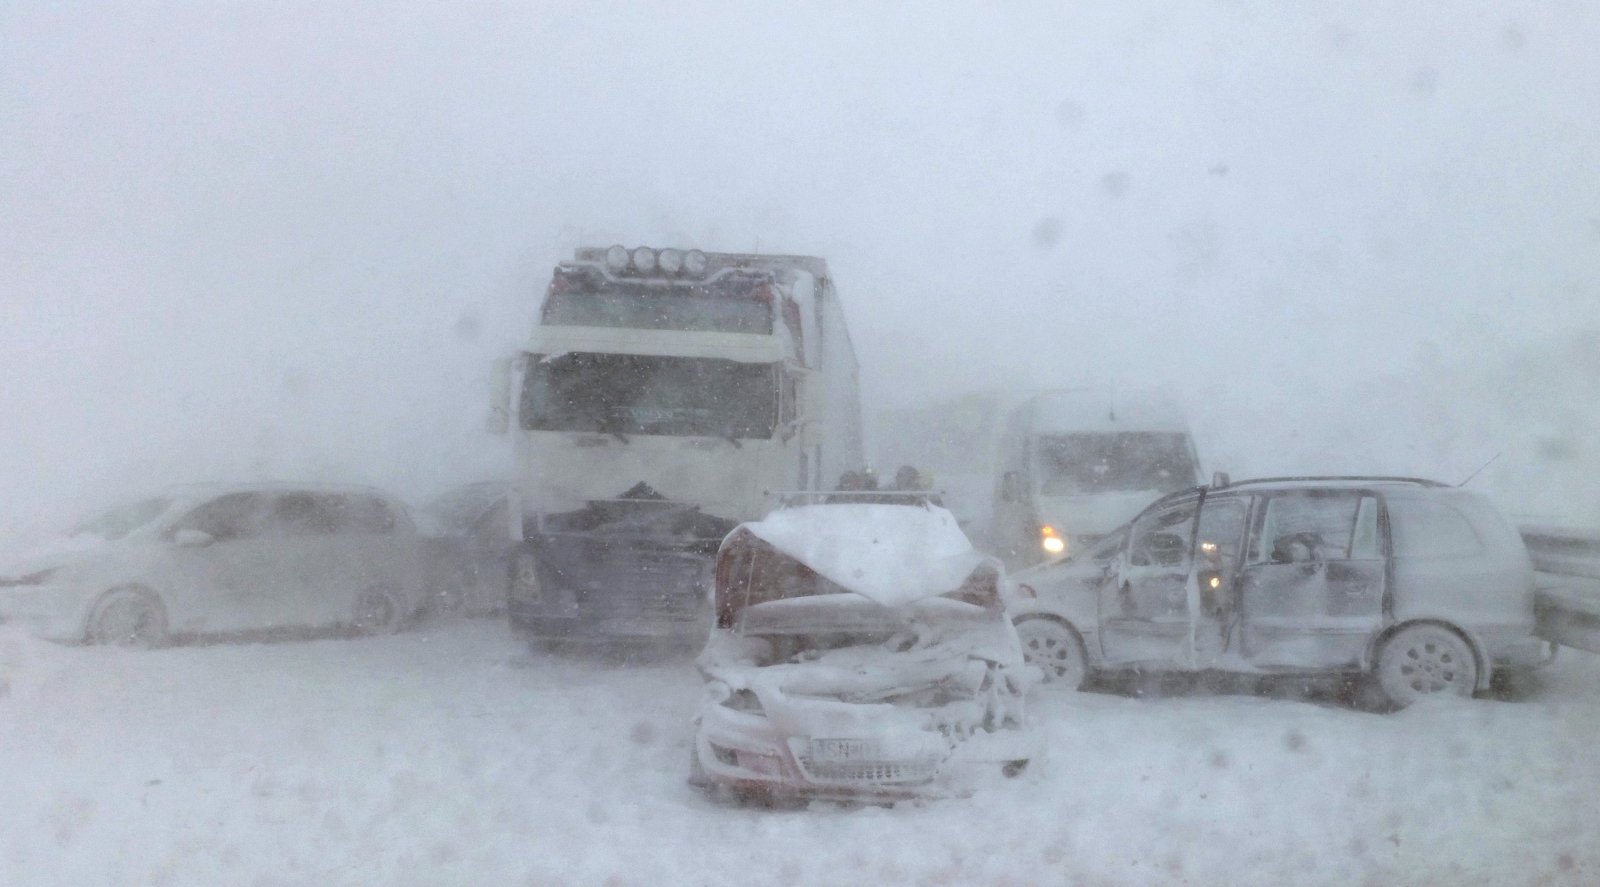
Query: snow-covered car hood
26	558
950	668
890	554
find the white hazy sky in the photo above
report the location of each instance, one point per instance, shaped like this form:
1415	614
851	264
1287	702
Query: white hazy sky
248	240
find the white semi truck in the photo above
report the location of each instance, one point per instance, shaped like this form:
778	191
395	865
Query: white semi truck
662	396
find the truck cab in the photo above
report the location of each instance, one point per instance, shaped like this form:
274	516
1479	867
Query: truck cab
661	395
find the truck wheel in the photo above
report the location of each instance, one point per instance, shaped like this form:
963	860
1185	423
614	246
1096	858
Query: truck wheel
1055	648
128	617
1426	661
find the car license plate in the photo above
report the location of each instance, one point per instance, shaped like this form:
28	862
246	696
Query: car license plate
845	750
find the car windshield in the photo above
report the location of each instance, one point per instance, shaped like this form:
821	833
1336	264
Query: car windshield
738	303
638	394
1129	461
122	520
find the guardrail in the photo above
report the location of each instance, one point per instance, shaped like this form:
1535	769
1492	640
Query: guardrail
1564	551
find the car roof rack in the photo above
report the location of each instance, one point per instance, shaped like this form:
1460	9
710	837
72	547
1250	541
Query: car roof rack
1419	481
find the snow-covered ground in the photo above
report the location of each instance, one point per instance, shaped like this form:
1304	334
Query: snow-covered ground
450	755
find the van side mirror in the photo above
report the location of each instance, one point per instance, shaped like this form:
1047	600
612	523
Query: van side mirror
499	421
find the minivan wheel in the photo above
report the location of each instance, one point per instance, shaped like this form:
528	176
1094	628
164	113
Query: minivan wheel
376	613
1055	648
1426	661
128	617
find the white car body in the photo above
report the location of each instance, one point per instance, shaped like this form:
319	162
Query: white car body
860	650
1237	595
301	559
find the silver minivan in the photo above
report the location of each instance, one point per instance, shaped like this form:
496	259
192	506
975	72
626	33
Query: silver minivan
1423	586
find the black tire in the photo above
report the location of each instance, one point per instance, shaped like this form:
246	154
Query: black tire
1055	647
129	617
377	612
1426	661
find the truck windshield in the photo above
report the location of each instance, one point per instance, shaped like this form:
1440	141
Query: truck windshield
650	394
737	303
1086	464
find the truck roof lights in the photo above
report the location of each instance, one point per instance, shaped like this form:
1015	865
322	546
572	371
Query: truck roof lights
617	258
644	260
694	262
671	260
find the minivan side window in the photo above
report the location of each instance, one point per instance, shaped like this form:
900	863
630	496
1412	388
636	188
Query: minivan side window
1162	539
1317	526
1430	529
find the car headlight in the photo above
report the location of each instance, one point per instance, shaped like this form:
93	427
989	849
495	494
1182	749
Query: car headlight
36	578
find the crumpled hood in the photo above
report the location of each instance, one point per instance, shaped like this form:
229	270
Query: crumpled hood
890	554
915	700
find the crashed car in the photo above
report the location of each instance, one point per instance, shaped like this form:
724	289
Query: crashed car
220	560
1417	588
859	651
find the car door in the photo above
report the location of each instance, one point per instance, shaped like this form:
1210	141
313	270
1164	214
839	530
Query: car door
1168	600
1312	592
309	528
226	579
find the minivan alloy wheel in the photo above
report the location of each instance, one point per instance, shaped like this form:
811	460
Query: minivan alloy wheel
1426	661
1054	647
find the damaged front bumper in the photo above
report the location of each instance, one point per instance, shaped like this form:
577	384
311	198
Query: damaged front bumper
745	751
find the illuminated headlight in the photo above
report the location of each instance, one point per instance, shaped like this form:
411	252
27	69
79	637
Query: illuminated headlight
617	258
694	262
644	259
671	260
1051	541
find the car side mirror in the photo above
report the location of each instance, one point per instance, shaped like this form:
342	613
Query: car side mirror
189	538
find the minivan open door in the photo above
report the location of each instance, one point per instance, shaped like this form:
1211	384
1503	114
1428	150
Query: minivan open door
1312	590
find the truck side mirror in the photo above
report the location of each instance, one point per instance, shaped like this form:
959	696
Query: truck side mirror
499	421
1220	479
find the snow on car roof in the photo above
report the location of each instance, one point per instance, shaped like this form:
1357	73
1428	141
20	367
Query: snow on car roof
891	554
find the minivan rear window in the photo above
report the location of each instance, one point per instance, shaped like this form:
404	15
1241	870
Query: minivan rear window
1430	529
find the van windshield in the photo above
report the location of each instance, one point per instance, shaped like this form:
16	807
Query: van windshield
1086	464
650	394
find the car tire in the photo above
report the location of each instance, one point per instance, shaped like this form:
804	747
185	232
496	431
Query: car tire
1055	647
377	611
129	617
1426	661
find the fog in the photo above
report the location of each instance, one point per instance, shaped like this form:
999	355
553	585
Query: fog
247	241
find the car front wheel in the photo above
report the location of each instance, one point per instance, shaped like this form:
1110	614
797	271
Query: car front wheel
1055	648
1426	662
128	617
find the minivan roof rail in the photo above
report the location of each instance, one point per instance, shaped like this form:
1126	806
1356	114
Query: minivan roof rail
1419	481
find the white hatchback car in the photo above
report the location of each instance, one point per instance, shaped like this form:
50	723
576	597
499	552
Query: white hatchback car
218	560
1424	587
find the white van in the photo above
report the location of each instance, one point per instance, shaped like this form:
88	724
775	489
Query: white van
1075	464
